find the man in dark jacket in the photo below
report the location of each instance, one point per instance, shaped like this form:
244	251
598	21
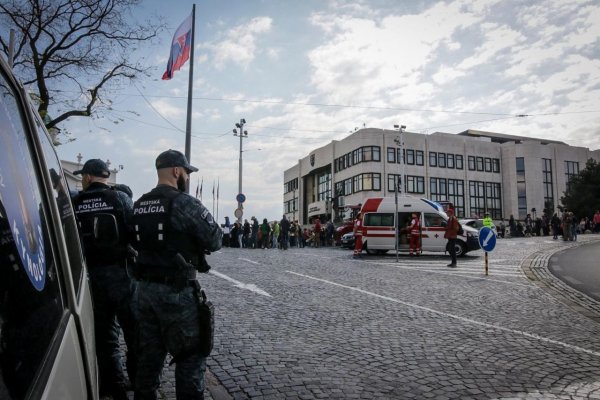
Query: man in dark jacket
173	231
112	288
284	227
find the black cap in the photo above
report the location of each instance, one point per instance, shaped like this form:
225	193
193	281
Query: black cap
95	167
173	158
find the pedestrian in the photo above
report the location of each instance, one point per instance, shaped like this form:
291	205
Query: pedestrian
240	234
329	231
284	227
512	226
254	233
487	220
452	228
566	226
317	233
265	229
415	235
275	234
358	231
555	223
597	222
112	288
293	234
246	237
173	232
226	232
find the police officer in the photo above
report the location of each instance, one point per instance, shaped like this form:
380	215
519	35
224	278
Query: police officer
172	232
112	288
487	220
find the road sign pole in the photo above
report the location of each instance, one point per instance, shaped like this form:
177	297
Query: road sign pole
486	263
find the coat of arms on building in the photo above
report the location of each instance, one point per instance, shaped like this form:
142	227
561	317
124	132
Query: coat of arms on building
312	160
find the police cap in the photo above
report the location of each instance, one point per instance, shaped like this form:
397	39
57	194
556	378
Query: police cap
173	158
94	167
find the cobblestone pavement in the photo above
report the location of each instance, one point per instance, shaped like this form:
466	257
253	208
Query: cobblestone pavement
315	324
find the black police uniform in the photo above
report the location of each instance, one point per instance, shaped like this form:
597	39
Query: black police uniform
112	288
169	224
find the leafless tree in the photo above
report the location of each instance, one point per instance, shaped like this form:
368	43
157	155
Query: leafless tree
74	52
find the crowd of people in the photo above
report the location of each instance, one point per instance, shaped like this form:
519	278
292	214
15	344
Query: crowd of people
280	234
567	226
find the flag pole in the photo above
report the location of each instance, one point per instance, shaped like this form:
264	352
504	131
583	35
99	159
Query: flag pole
188	125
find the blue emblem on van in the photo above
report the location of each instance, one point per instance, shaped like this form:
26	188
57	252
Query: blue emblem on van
21	200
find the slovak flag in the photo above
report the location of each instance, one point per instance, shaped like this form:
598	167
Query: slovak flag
180	48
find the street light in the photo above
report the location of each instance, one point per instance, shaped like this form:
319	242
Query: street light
242	134
400	181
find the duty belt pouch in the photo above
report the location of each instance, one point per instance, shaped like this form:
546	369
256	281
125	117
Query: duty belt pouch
206	316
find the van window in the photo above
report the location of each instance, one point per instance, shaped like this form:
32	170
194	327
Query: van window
31	305
379	219
65	209
434	220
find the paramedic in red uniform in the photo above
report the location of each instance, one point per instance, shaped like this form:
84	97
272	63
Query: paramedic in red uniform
358	236
415	235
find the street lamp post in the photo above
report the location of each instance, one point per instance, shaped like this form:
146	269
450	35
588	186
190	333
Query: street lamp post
400	181
242	134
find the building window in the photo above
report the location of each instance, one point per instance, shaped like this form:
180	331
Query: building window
290	185
419	157
348	186
391	155
367	181
456	195
459	161
485	197
370	153
521	188
324	186
392	182
488	164
450	160
432	159
571	169
479	163
471	161
548	185
410	157
437	189
495	165
442	160
415	184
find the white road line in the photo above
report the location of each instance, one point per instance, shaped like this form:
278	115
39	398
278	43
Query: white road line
250	261
248	286
464	319
451	272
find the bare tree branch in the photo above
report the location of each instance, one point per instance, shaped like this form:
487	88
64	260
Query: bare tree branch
84	45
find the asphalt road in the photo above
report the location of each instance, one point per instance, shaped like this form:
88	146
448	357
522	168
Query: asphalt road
579	268
315	324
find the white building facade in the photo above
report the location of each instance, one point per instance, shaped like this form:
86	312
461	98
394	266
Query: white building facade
476	171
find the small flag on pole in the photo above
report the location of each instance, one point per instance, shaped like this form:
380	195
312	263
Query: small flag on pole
180	48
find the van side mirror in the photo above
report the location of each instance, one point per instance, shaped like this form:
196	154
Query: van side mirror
106	231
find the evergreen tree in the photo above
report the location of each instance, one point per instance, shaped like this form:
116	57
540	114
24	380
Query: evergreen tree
582	196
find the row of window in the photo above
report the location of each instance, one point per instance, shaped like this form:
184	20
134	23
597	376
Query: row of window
358	183
290	186
357	156
445	160
486	164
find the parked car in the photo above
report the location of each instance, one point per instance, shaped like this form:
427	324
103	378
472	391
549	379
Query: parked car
341	230
477	224
46	317
347	240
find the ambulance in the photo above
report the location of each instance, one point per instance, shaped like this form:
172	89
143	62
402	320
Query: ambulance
379	222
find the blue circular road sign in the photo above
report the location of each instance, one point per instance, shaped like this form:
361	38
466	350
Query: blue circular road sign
240	198
487	239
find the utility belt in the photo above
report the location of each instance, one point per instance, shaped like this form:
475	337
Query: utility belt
178	279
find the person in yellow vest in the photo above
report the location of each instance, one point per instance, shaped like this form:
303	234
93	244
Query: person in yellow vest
487	221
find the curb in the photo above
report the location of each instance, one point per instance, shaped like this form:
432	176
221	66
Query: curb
216	390
535	268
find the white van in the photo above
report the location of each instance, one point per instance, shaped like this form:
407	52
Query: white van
47	346
379	222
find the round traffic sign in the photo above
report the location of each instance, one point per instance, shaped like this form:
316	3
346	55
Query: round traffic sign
487	239
240	198
238	213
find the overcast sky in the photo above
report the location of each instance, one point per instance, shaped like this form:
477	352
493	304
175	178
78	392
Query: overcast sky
303	73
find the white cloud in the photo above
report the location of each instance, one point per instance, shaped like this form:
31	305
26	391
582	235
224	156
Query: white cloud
239	45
